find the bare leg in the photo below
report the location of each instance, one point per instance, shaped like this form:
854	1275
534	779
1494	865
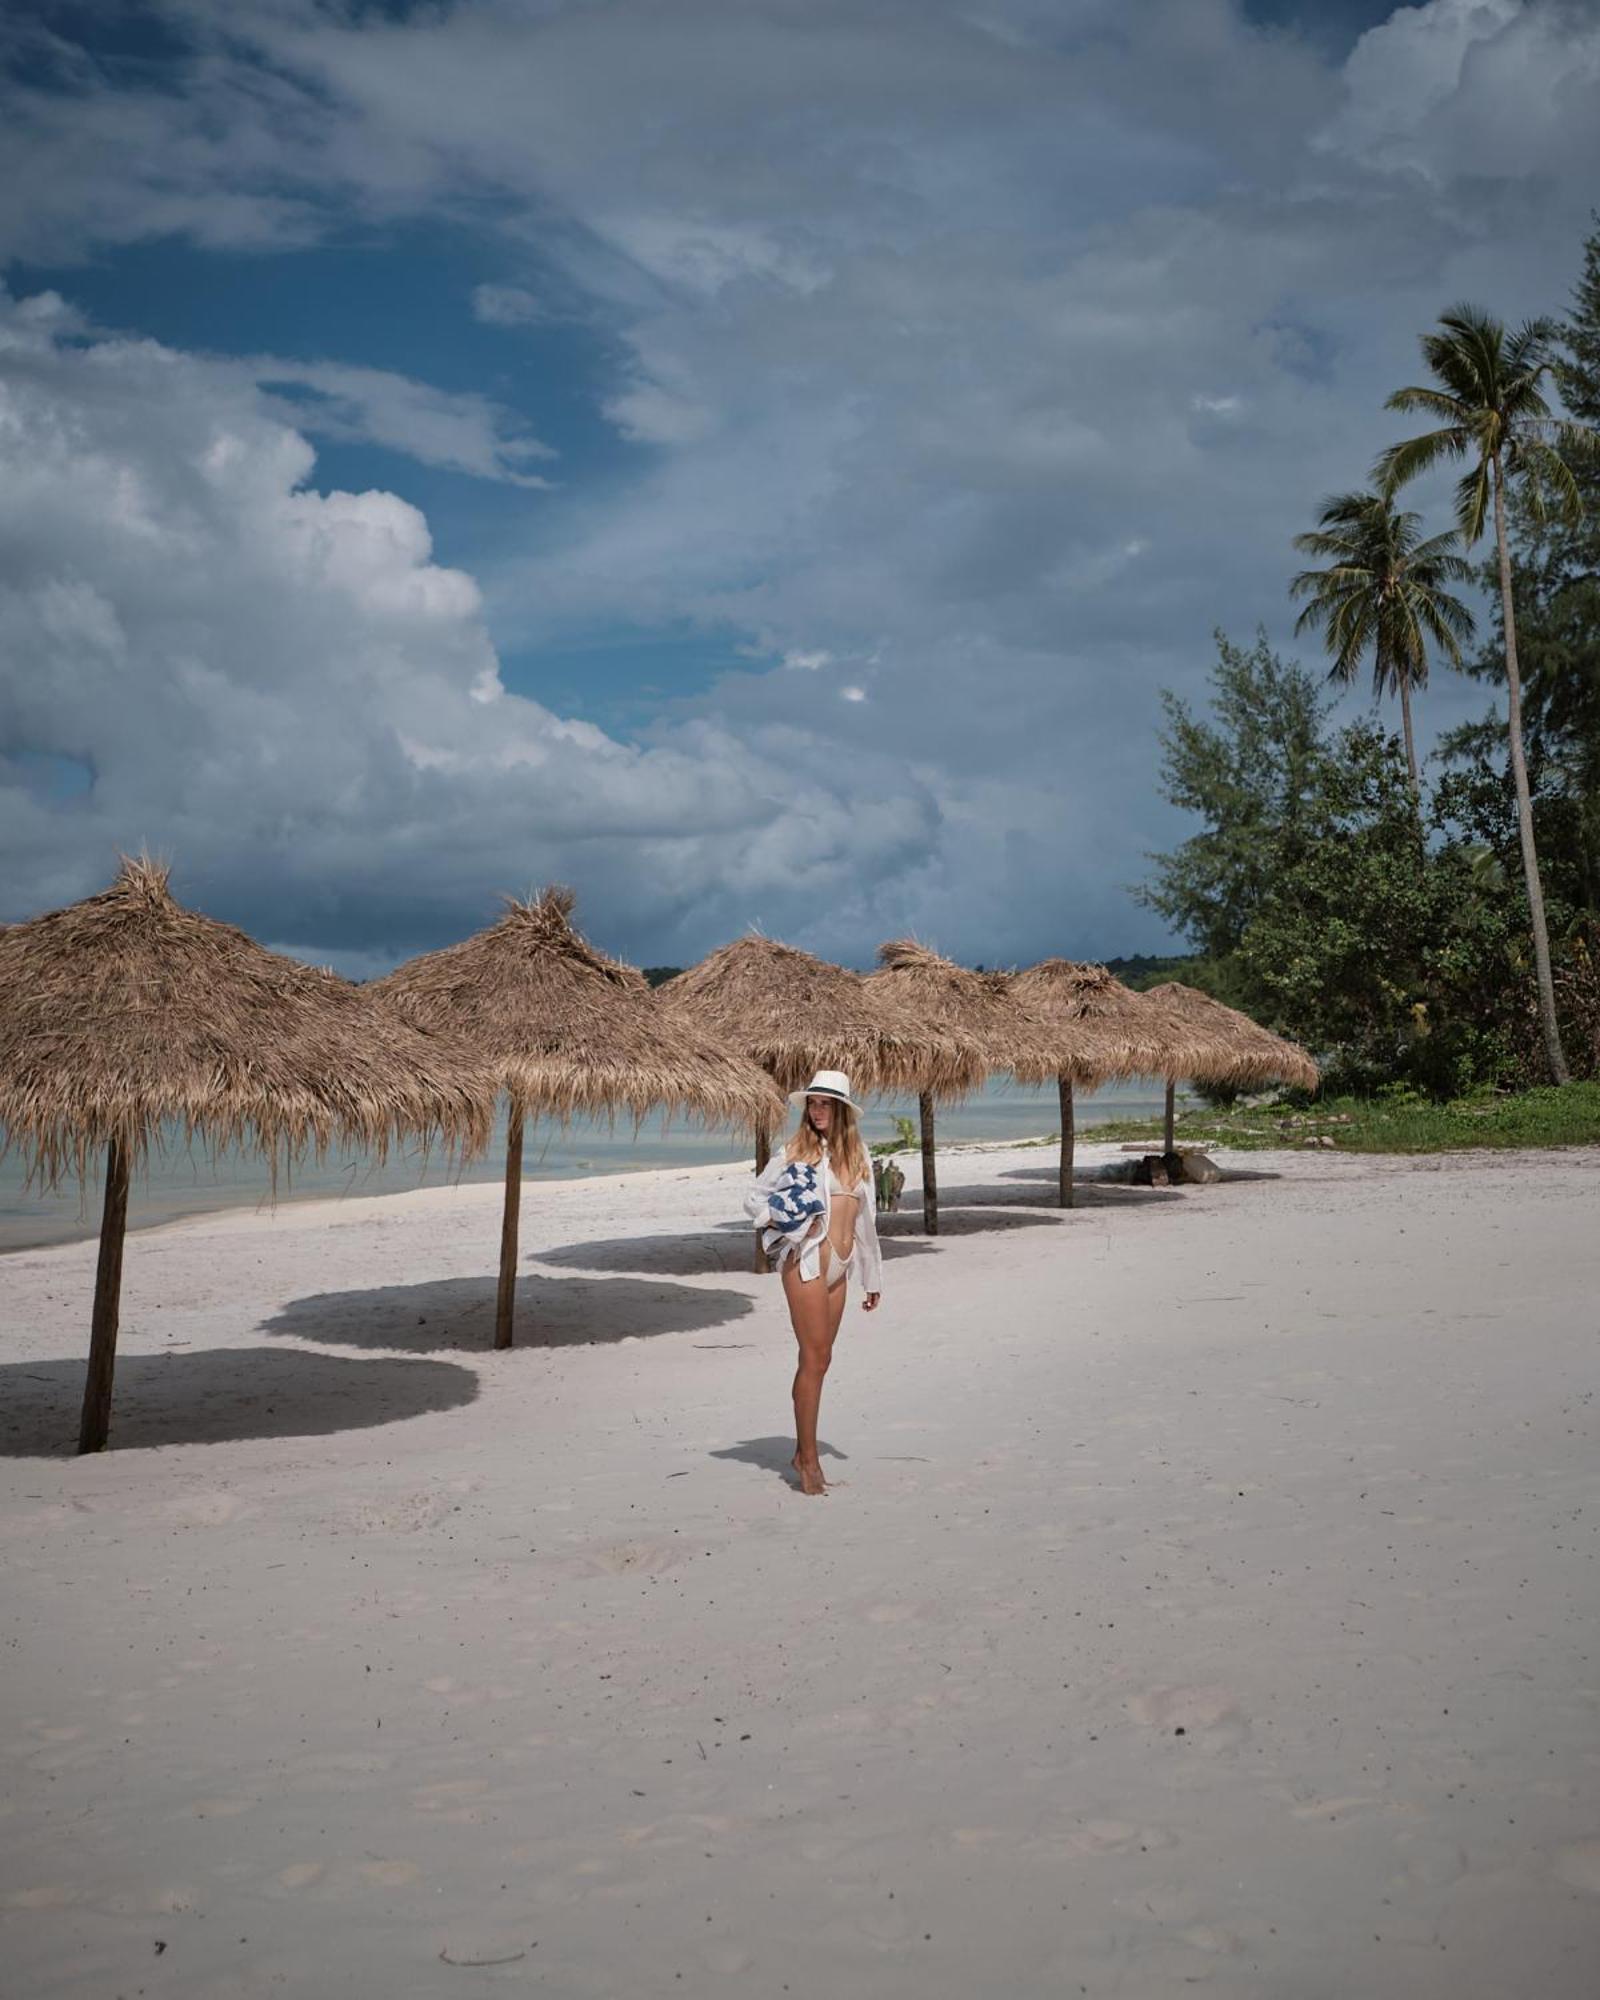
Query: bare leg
814	1311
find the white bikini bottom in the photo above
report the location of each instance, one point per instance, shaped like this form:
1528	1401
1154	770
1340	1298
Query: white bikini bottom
809	1254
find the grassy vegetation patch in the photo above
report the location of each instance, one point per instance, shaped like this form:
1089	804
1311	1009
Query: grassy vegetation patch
1396	1121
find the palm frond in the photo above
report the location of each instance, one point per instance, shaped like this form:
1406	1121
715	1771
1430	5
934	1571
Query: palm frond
1315	543
1575	441
1433	401
1438	556
1447	622
1540	463
1472	501
1412	457
1327	582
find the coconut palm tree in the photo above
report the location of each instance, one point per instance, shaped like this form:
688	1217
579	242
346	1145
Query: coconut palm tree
1488	395
1383	593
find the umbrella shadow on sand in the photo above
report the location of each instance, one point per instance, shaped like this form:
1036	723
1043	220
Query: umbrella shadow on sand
775	1454
1106	1185
222	1395
677	1254
458	1313
712	1252
962	1212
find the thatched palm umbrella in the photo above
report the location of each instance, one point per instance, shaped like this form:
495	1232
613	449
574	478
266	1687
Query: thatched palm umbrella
1228	1047
127	1012
795	1014
568	1030
983	1007
1137	1036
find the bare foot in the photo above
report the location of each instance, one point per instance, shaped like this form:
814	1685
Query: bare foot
810	1476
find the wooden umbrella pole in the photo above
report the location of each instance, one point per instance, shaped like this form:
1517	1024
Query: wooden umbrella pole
96	1424
1068	1138
930	1174
1172	1098
505	1304
762	1265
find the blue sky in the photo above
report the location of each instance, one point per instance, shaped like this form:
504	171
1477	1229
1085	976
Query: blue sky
757	461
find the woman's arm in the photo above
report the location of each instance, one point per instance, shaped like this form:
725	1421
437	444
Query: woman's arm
868	1257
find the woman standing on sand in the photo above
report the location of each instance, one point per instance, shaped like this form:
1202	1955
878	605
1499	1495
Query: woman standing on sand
814	1208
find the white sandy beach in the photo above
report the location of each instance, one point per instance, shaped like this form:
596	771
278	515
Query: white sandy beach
1210	1598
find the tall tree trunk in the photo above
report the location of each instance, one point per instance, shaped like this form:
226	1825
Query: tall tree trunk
1064	1187
930	1175
95	1424
1411	747
762	1266
1554	1053
505	1302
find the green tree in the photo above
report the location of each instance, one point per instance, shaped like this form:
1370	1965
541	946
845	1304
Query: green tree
1383	596
1555	575
1247	773
1315	908
1394	967
1488	392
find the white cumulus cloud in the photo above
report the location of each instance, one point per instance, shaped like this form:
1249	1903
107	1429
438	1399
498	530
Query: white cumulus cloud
282	689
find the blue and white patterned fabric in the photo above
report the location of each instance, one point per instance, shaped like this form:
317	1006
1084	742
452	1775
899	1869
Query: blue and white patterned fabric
796	1201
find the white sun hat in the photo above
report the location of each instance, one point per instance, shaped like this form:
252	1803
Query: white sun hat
826	1083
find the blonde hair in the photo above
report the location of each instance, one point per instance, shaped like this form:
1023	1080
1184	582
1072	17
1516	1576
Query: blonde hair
845	1146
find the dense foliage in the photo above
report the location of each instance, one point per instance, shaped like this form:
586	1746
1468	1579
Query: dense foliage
1319	908
1402	953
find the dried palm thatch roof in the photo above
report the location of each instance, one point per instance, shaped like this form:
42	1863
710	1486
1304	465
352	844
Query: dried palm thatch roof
1138	1036
1036	1046
1233	1049
127	1011
795	1014
571	1030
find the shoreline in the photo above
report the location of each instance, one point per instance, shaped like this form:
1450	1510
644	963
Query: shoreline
355	1207
167	1193
1237	1162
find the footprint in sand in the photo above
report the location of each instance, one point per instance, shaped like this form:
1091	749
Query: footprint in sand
904	1613
448	1792
626	1558
204	1510
1115	1836
1428	1863
45	1896
455	1801
1213	1937
726	1959
64	1756
335	1770
388	1874
300	1874
1164	1903
1579	1865
1207	1716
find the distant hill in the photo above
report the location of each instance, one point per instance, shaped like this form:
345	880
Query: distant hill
1141	971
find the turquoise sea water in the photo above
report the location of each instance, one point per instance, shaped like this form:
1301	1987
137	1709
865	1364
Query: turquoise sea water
182	1181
